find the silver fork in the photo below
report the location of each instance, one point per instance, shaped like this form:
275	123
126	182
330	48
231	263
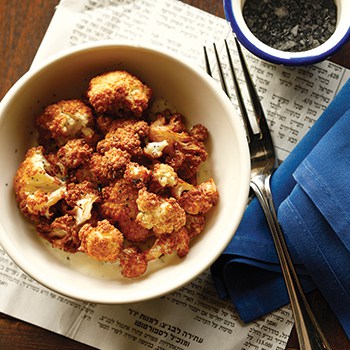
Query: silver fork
263	164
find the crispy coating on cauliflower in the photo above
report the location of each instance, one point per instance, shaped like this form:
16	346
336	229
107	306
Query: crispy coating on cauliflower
163	215
74	153
185	152
102	242
109	166
178	241
61	233
164	175
106	123
81	198
138	126
137	174
128	137
195	224
118	92
36	189
119	206
133	262
65	120
199	132
200	199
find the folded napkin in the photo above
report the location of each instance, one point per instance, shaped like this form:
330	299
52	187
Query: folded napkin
312	196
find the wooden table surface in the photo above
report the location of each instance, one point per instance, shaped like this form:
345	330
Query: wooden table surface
22	27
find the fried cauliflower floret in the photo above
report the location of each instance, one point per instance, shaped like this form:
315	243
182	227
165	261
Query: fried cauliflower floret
62	233
36	187
119	206
184	152
199	132
66	120
163	178
109	166
118	92
200	199
181	187
164	129
102	242
106	123
195	224
138	126
128	137
155	149
163	215
133	262
176	242
138	175
103	123
74	153
81	198
164	175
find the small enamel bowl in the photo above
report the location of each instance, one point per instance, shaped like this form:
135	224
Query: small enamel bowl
234	15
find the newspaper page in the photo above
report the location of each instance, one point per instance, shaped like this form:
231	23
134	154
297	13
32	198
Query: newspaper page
192	317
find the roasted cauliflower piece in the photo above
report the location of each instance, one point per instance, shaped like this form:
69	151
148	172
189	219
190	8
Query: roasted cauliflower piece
128	137
107	123
74	153
62	233
176	242
199	132
65	120
109	166
138	175
164	175
81	198
118	92
184	152
133	262
119	206
163	215
181	187
102	242
103	123
155	149
37	188
200	199
195	224
139	126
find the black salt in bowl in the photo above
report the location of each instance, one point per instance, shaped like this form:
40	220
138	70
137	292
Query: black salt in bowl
290	32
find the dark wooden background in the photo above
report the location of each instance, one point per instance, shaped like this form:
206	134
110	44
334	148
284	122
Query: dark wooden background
22	27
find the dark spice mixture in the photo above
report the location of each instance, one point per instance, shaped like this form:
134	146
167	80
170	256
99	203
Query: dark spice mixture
291	25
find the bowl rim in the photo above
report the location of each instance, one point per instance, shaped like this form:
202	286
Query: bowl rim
10	248
296	58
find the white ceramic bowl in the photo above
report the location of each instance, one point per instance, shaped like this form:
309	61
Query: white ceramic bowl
194	94
233	13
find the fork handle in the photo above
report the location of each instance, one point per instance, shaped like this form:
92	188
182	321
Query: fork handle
310	335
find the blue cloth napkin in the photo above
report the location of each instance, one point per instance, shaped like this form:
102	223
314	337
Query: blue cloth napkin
312	194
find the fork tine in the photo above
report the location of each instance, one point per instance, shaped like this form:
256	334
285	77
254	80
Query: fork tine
207	64
258	110
239	96
221	73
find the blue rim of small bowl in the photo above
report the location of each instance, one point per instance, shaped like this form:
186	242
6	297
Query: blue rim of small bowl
295	61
